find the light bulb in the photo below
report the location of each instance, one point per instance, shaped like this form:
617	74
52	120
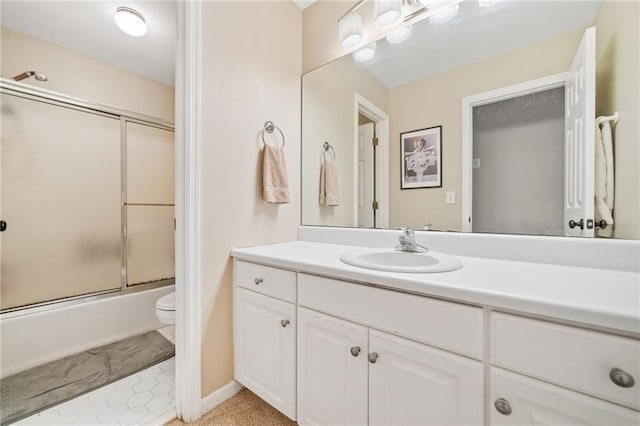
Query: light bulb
445	14
387	12
350	30
365	54
399	35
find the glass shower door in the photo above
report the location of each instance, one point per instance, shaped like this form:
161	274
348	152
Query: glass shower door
61	198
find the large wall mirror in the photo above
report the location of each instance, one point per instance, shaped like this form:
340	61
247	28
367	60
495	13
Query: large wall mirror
521	117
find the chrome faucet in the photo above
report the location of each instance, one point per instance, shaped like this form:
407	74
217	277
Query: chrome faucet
408	242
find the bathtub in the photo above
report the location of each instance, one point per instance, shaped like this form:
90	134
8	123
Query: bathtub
35	338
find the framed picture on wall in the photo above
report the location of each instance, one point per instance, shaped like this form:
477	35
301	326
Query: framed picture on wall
421	158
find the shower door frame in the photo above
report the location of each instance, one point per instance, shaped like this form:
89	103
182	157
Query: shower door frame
21	90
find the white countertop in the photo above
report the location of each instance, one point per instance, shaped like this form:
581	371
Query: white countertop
597	297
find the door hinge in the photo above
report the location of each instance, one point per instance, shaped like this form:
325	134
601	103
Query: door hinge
374	142
374	205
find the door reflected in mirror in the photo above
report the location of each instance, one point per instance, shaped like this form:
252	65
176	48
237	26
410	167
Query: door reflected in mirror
539	116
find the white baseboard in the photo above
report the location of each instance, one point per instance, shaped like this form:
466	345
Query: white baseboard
216	398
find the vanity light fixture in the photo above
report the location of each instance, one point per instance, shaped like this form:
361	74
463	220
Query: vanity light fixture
350	30
387	12
399	35
366	53
130	21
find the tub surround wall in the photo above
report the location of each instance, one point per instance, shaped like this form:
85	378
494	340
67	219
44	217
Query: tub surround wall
251	74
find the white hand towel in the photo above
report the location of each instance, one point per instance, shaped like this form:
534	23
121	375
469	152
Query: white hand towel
329	184
604	173
275	183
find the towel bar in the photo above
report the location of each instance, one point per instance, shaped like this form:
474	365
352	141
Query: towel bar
615	117
269	127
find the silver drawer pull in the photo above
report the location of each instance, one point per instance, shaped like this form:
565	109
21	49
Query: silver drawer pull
373	357
355	351
503	406
621	378
284	323
258	281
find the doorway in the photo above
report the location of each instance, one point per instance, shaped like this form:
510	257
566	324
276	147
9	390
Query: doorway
371	171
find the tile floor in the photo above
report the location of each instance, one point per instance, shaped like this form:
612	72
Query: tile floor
145	398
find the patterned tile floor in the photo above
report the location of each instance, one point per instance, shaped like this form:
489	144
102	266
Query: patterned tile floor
144	398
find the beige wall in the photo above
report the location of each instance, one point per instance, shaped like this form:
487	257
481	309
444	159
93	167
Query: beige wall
618	88
251	74
328	115
79	76
437	100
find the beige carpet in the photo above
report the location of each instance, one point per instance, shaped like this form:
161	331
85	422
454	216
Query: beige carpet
243	409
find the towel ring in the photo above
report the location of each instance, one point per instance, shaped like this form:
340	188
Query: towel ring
269	127
327	148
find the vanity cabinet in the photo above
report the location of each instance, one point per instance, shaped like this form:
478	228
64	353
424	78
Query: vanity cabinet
332	370
325	351
519	400
265	347
348	373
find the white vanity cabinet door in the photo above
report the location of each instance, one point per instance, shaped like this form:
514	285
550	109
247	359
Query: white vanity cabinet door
533	402
265	348
332	371
415	384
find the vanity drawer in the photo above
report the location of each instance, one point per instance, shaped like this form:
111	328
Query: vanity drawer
272	282
573	357
447	325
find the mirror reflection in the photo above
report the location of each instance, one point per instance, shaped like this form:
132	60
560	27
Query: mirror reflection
516	117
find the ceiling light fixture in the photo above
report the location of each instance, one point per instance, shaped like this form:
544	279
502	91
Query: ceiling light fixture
350	30
387	12
366	53
130	21
399	35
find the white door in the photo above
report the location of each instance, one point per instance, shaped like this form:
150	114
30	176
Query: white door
332	370
366	175
265	348
579	170
524	401
415	384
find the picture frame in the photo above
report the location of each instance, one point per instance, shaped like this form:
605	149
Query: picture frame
421	158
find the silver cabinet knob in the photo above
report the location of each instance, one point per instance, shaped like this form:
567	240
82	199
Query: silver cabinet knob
621	378
258	281
373	357
503	406
284	323
355	351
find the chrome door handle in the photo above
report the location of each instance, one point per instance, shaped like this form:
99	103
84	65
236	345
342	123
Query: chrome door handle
284	323
258	281
373	357
621	378
355	351
503	406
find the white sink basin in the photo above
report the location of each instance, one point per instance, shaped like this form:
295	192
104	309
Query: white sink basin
398	261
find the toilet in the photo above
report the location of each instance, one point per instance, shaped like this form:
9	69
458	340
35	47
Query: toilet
166	308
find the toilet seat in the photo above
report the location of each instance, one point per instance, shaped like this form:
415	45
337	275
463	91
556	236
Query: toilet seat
166	308
167	302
